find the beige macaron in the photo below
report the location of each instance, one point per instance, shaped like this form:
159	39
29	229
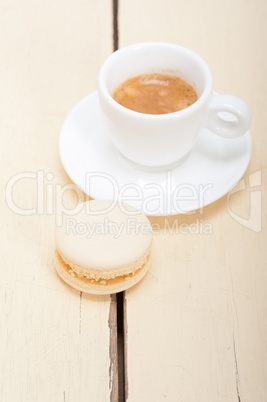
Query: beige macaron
103	247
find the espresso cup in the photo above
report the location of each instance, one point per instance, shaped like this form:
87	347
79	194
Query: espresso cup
161	140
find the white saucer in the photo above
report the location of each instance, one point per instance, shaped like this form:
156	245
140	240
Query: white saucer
212	168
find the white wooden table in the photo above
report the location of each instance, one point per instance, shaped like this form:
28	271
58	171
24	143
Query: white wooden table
195	327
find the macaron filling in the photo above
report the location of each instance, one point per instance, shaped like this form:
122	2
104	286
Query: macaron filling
104	278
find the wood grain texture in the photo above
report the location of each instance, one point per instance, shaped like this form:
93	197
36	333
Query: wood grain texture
54	340
196	325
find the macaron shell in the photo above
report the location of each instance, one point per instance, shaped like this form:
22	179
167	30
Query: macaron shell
82	284
103	236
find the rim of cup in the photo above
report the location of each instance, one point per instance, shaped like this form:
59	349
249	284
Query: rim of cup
104	71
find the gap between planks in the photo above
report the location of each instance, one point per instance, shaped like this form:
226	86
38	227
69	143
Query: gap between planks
117	316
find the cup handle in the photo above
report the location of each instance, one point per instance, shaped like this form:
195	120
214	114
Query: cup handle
228	116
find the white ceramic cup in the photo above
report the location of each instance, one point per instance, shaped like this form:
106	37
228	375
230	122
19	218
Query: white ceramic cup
161	140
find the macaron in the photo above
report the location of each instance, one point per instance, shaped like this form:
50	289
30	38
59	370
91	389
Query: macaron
103	247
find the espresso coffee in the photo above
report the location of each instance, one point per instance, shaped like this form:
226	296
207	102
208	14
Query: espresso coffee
155	94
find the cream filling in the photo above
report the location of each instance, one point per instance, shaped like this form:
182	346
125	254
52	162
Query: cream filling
104	276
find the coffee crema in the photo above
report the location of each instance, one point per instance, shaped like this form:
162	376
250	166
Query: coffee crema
155	94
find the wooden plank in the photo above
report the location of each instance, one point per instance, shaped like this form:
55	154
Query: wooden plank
54	341
196	325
